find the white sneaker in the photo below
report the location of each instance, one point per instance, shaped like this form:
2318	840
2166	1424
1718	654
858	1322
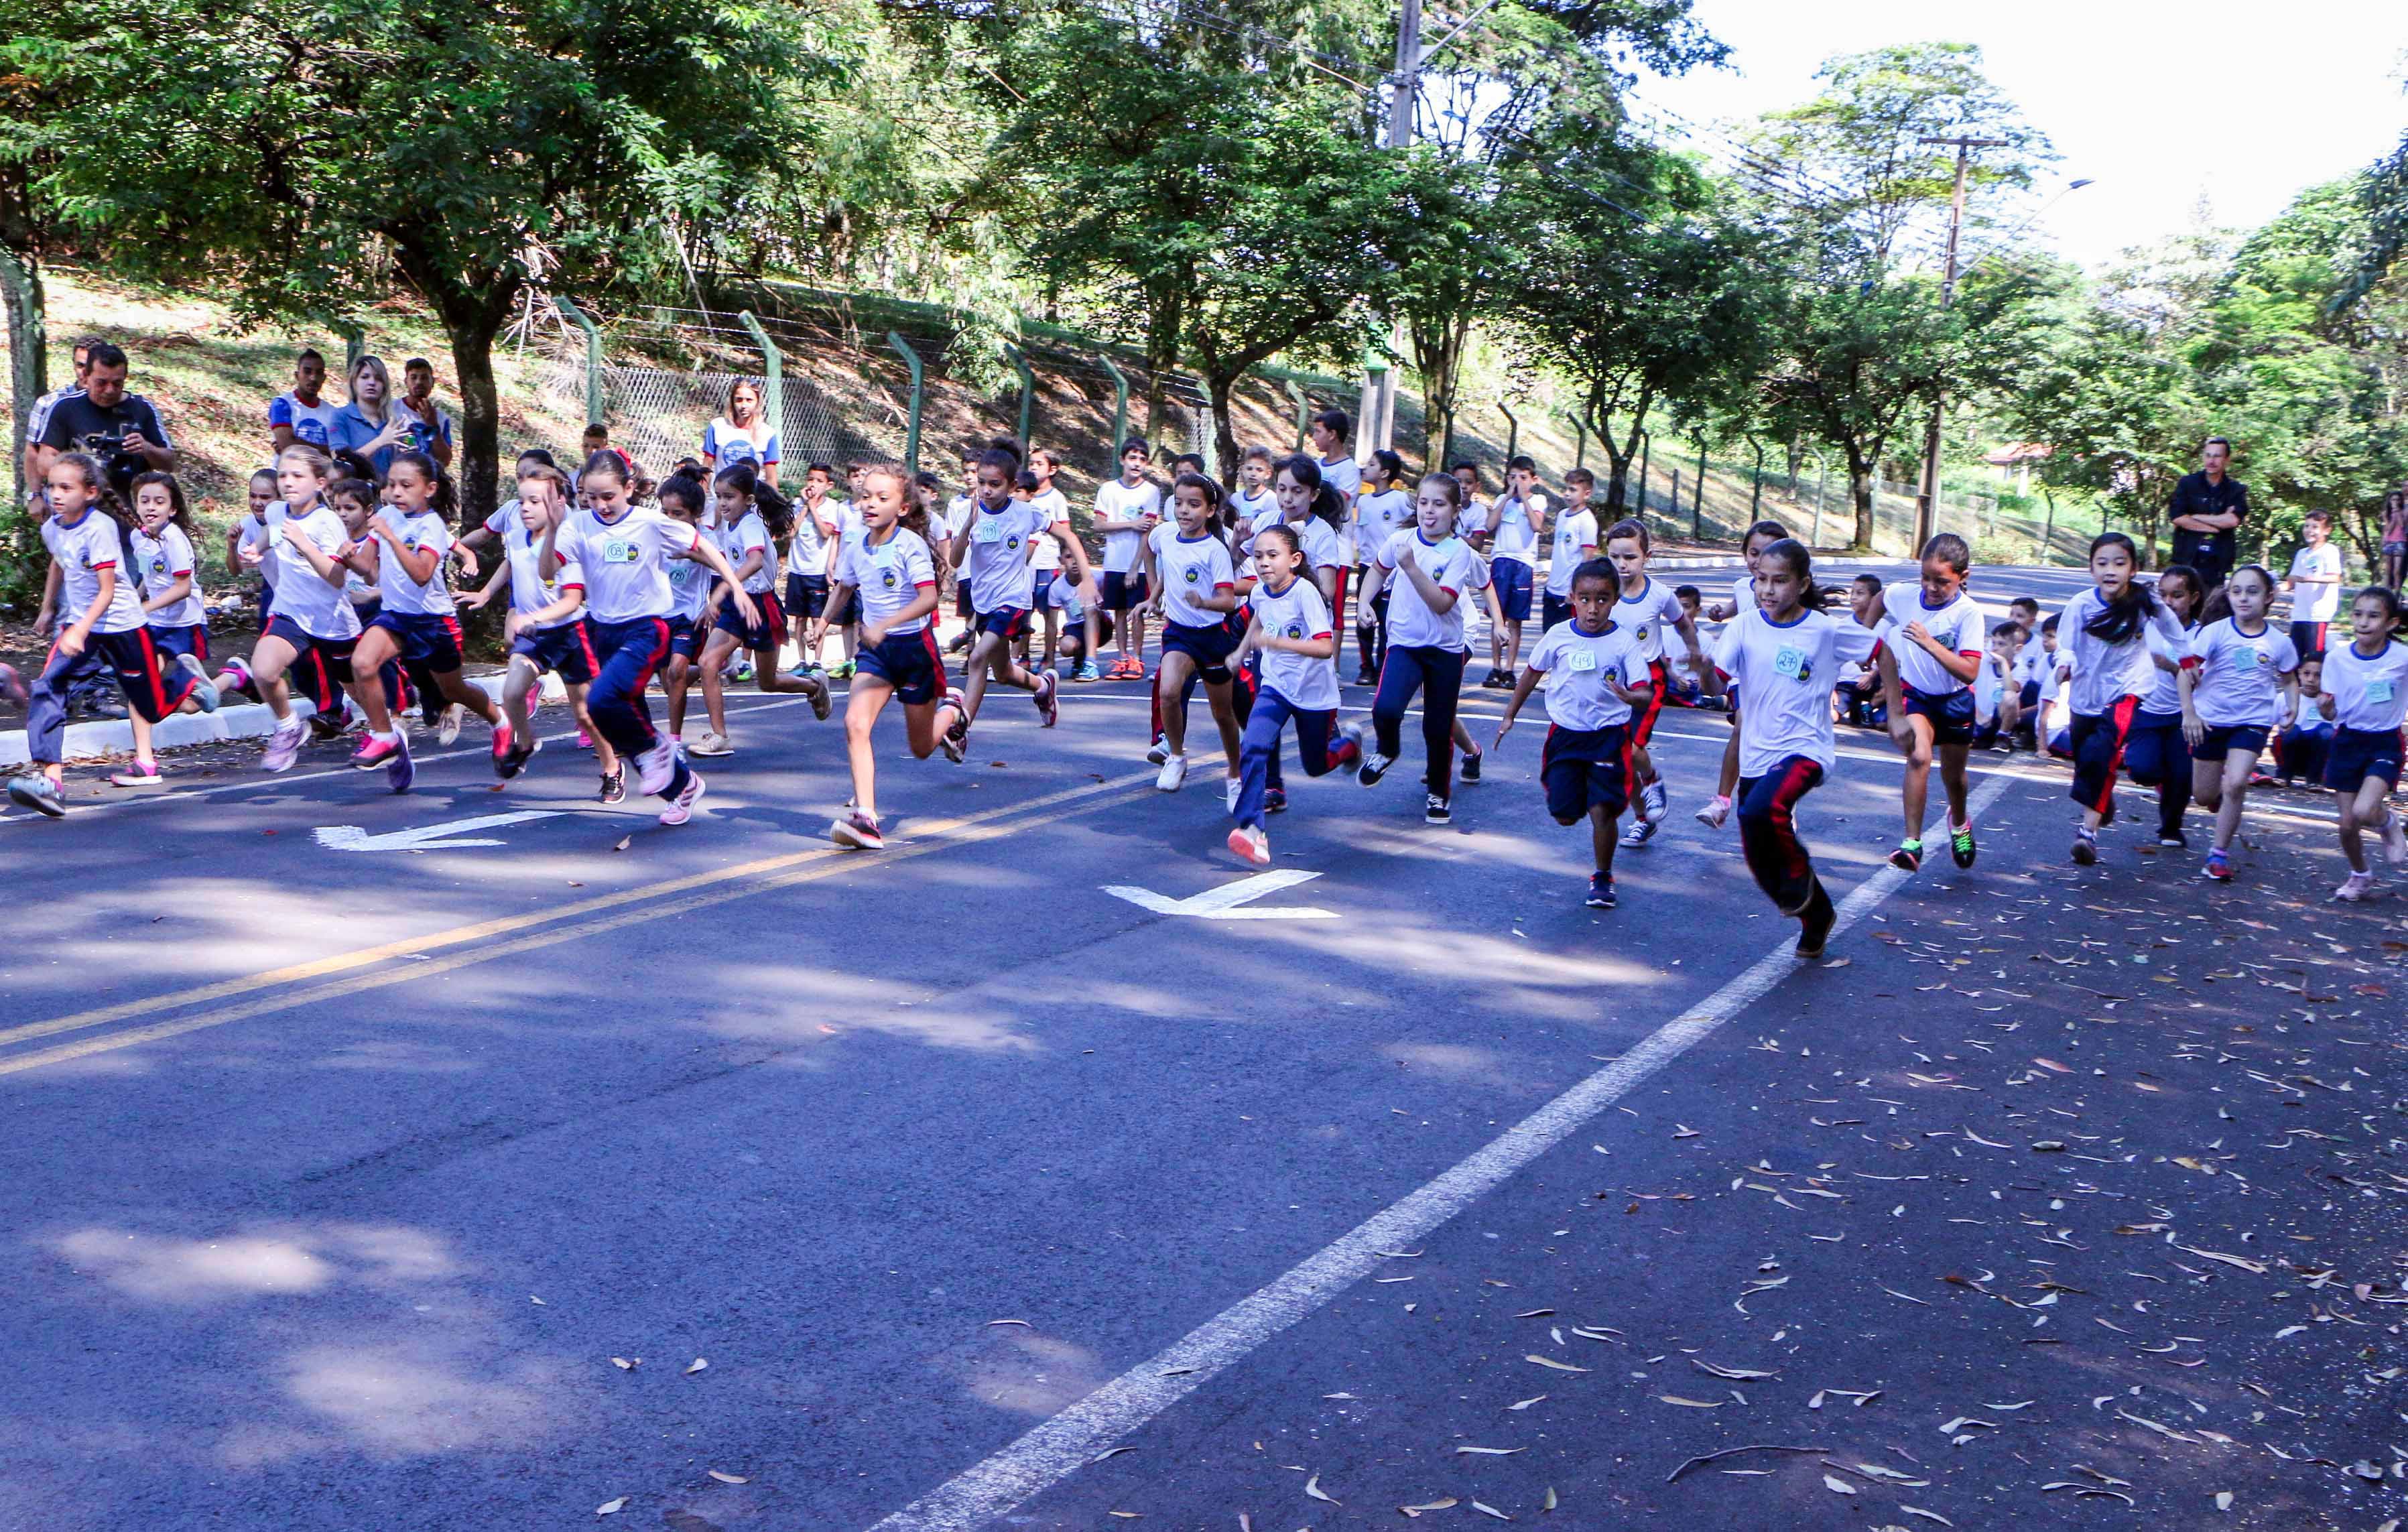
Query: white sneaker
2395	838
655	767
1174	773
2354	889
711	742
283	745
448	732
1252	845
1654	800
681	808
1158	752
1713	813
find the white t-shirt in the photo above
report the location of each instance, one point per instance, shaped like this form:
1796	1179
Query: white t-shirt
738	542
1056	507
2164	694
1381	514
724	443
1345	476
888	576
312	423
1988	685
2369	695
1647	617
1579	666
417	533
1254	507
81	551
626	563
529	590
1451	565
1190	568
319	609
806	551
1320	544
1785	675
253	539
2103	673
1299	613
1001	576
2316	603
1517	534
167	559
1574	541
1118	502
1957	627
691	582
2240	679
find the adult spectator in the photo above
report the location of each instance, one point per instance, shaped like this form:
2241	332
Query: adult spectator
370	424
742	435
300	414
2207	507
121	429
430	428
39	417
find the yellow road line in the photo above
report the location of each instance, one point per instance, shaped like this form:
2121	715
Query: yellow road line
612	911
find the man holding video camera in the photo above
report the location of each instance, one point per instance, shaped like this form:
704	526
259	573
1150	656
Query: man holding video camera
121	429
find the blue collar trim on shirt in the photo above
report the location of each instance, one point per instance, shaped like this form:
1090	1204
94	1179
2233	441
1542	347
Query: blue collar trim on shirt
1804	613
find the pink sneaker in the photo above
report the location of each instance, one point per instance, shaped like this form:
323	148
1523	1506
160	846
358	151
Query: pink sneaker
282	746
1252	846
1047	709
502	741
374	752
584	740
681	808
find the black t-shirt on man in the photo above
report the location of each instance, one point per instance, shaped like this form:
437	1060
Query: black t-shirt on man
2209	553
78	425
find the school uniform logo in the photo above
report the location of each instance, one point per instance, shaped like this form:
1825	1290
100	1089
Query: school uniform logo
1193	574
1294	629
1794	664
888	578
1013	541
618	551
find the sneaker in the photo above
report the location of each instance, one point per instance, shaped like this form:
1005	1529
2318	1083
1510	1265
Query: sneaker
1274	800
857	831
956	735
681	808
655	767
1251	845
1641	831
1436	811
1469	769
1495	680
584	740
1908	857
205	691
283	745
1960	844
2395	838
325	728
1601	891
136	775
1087	671
1046	707
742	671
1366	678
36	790
2355	889
1158	752
1654	799
711	742
2219	867
614	786
505	743
960	641
400	771
239	670
447	730
1713	813
2260	777
823	702
1174	774
841	670
374	752
1375	766
1230	788
507	767
1815	926
2173	837
2085	848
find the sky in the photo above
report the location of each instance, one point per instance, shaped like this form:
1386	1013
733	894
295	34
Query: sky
2157	103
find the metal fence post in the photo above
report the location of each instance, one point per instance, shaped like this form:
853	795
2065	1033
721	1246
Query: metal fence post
918	391
1027	389
593	415
773	371
1303	411
1120	409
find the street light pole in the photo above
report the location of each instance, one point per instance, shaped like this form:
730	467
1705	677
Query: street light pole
1377	428
1927	499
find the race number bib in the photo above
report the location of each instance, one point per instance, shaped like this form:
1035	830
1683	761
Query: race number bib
1584	659
1790	662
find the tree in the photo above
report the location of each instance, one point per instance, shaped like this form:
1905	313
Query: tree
294	152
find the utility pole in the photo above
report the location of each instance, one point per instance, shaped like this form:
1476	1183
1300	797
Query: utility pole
1377	428
1927	499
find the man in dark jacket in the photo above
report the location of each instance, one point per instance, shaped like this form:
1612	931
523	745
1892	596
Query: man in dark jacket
2207	507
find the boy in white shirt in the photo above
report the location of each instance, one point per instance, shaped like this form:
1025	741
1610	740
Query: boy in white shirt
2315	584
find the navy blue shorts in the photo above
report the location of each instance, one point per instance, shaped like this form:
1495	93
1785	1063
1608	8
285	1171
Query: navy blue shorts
806	595
1554	608
768	633
1514	581
844	615
1004	622
2217	743
2359	753
321	667
1951	714
563	651
1120	591
908	662
1209	648
1584	769
423	639
686	638
172	642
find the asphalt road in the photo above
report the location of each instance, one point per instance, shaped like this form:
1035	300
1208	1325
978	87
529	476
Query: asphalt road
344	1179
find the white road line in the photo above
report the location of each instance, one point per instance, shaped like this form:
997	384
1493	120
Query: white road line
1061	1446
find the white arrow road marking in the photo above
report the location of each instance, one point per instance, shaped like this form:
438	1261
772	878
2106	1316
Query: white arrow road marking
1221	904
426	837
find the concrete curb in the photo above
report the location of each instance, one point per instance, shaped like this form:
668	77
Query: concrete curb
241	721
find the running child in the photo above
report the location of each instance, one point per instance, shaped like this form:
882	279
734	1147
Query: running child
312	626
621	551
2241	688
1194	586
543	626
1127	509
1782	656
753	517
161	545
1290	627
1430	569
2103	665
992	550
1574	543
1644	608
682	497
1384	508
91	596
2366	694
894	576
1045	560
1517	528
246	537
2155	752
1931	656
1760	537
1601	678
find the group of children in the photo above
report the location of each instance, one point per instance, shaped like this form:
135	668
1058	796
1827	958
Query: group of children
613	581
